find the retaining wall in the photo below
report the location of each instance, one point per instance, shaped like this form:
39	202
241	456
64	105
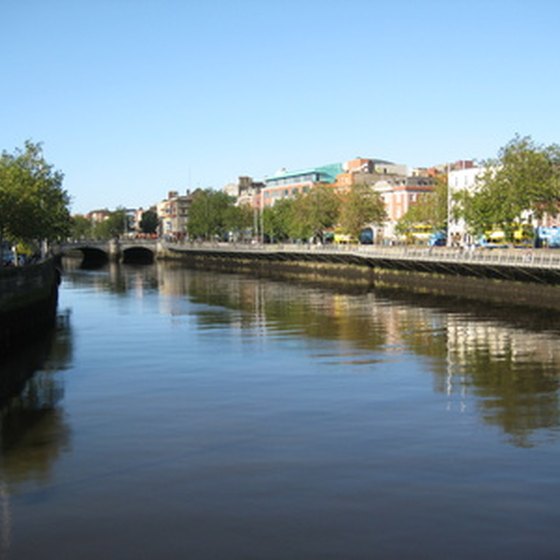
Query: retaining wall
28	300
364	275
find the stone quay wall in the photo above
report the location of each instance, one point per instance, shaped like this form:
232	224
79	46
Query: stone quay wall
28	300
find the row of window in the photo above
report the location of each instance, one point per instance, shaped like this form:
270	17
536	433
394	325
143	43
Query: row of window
305	178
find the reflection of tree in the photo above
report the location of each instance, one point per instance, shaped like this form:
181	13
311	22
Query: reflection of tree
515	392
509	367
507	364
32	438
32	427
314	313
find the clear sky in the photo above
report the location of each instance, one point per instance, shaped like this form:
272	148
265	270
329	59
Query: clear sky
135	98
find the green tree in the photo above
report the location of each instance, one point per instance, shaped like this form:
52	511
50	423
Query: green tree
149	221
361	206
33	204
314	212
238	219
278	220
113	226
208	214
81	228
522	182
430	209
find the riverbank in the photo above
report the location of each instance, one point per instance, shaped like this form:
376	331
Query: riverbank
28	300
366	275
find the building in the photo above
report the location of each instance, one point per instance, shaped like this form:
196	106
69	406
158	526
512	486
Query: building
458	180
367	172
246	191
287	184
399	194
173	213
98	216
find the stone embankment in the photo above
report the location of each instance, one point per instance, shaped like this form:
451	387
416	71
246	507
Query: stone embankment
28	300
515	277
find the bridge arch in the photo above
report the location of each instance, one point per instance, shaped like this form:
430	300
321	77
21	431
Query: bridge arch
91	256
137	255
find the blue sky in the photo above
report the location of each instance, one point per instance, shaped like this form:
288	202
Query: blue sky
135	98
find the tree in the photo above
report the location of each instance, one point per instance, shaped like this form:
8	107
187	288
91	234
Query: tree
113	226
430	209
522	182
208	214
238	219
314	212
81	228
149	221
361	206
278	220
33	204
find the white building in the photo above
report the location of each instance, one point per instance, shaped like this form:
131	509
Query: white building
458	180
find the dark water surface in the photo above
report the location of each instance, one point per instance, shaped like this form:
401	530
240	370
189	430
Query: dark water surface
186	414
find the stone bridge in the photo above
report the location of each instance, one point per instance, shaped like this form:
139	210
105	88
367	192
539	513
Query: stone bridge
123	250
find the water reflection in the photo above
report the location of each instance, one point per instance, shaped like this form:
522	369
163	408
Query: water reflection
32	426
480	357
33	430
508	364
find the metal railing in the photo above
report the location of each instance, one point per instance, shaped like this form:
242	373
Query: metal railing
532	258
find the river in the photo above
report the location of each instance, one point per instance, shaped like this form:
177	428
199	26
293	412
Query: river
188	414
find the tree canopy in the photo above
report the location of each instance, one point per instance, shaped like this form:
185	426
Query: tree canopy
33	204
523	182
314	212
149	221
430	209
360	206
210	214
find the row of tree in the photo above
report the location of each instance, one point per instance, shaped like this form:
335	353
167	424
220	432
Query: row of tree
522	183
214	215
114	225
518	187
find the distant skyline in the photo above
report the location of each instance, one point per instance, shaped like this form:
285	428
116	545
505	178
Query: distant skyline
132	99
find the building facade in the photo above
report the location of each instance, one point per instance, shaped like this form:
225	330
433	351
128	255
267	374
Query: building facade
399	194
288	184
173	213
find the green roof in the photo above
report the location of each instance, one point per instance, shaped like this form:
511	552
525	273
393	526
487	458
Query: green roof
327	173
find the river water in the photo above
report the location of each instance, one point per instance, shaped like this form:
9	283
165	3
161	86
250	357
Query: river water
187	414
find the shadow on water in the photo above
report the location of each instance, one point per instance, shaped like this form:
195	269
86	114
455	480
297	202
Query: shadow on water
30	411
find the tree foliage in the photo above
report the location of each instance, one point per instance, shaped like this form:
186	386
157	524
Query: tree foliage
209	214
33	204
81	227
523	181
359	207
149	221
277	220
430	209
314	212
113	226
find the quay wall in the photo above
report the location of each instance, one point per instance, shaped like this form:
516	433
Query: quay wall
28	300
364	275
